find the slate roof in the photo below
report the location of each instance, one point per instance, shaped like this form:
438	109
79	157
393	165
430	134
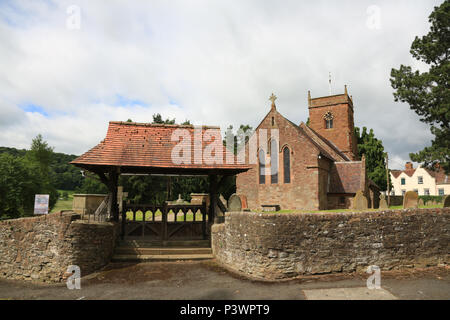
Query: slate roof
324	144
144	145
345	177
438	174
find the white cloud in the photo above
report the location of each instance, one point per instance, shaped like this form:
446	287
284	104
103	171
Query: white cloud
212	62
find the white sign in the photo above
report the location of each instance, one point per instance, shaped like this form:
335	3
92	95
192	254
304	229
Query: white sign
41	204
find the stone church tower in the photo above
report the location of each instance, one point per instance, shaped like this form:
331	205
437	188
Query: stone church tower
332	118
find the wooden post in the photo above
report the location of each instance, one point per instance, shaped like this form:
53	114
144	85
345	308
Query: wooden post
212	197
387	181
113	179
164	222
124	220
203	221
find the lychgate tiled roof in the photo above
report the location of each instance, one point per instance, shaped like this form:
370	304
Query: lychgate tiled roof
129	144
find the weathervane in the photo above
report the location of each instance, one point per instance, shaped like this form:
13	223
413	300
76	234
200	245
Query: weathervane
329	81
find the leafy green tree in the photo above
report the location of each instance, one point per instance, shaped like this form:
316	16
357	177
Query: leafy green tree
41	154
19	182
91	185
373	150
157	119
427	93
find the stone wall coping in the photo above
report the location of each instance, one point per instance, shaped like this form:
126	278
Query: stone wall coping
43	217
95	223
272	214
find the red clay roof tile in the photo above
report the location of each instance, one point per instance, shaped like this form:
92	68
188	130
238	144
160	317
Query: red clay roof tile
150	145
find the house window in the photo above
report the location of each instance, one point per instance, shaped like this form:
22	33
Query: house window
262	167
426	192
441	192
420	180
273	121
416	191
403	192
287	165
329	124
273	161
342	200
403	181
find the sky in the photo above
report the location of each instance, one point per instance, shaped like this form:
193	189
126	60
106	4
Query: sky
67	68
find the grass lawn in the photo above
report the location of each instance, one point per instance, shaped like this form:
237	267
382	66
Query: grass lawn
64	204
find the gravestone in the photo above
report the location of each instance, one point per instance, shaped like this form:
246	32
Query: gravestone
383	202
234	203
446	201
420	203
410	199
359	201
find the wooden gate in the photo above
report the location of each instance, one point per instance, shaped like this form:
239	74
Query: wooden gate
167	222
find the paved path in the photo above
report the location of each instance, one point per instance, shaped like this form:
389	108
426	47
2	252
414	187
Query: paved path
205	280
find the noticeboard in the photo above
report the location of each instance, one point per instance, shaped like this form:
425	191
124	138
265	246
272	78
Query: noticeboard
41	204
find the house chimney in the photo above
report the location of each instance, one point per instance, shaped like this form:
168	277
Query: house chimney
409	166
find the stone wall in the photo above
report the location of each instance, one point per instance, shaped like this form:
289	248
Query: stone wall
303	189
41	248
275	246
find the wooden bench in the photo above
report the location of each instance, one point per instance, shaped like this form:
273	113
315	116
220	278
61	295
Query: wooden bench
270	207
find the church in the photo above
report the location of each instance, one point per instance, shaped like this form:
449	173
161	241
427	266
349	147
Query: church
312	166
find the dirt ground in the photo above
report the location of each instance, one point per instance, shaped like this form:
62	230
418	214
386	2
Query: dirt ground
200	280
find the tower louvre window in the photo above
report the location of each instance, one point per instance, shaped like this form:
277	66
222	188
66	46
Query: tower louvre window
328	117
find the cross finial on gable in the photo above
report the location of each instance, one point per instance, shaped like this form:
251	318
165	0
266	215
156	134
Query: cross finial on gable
273	98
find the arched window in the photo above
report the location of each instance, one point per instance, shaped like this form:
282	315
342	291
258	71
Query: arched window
262	167
287	165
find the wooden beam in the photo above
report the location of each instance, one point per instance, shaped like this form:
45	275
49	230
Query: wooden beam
212	197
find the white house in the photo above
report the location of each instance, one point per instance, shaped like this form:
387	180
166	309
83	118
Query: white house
421	180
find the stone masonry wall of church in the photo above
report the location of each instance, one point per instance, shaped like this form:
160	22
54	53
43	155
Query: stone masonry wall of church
343	124
303	190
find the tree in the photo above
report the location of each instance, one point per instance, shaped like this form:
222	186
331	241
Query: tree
41	155
91	185
19	182
373	150
428	93
157	119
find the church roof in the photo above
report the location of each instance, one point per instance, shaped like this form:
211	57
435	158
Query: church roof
345	177
149	147
325	144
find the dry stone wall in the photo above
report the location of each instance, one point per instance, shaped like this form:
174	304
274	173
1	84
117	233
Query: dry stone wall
275	246
42	248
